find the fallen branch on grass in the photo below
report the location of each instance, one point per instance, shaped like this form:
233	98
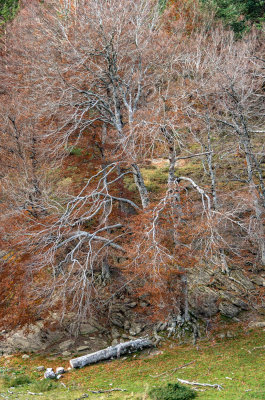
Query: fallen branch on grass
35	394
85	395
111	352
107	390
256	348
215	385
171	371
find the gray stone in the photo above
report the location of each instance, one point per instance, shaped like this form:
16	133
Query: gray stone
135	329
28	338
261	310
161	326
132	304
66	353
221	336
115	333
87	329
239	277
40	368
234	300
127	325
66	344
83	348
259	324
60	370
117	319
114	342
228	309
25	357
31	338
201	276
258	280
49	374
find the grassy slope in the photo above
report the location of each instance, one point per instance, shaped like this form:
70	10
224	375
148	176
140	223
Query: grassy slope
214	363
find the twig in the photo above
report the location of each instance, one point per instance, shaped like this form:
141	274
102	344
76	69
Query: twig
256	348
85	395
219	387
35	394
193	155
171	371
64	386
107	390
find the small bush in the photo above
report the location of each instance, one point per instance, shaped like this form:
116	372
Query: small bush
44	386
153	187
150	167
173	391
16	381
160	176
74	151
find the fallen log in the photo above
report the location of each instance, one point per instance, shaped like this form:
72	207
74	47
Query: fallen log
215	385
111	352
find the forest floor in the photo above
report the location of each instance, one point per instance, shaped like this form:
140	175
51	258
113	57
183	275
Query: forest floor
237	364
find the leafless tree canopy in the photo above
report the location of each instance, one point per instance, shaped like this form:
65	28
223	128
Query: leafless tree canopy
94	93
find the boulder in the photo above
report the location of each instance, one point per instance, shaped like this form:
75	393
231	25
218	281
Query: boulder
203	301
87	329
237	301
228	309
239	277
64	346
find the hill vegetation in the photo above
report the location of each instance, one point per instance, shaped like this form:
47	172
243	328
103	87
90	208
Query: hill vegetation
132	151
236	364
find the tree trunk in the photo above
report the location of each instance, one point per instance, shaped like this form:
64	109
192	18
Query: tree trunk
138	179
111	352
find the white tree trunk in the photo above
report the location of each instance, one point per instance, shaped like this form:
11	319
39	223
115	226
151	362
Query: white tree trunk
111	352
138	179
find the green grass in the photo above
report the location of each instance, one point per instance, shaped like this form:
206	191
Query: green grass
232	363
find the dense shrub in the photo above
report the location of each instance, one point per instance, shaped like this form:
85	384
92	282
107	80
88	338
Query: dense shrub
239	14
16	381
173	391
44	386
8	10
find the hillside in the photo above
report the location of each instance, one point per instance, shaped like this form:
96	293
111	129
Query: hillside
235	363
132	193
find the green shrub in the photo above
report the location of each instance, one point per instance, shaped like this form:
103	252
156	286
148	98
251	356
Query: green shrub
150	167
8	10
153	187
44	386
173	391
10	381
74	151
240	15
160	176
